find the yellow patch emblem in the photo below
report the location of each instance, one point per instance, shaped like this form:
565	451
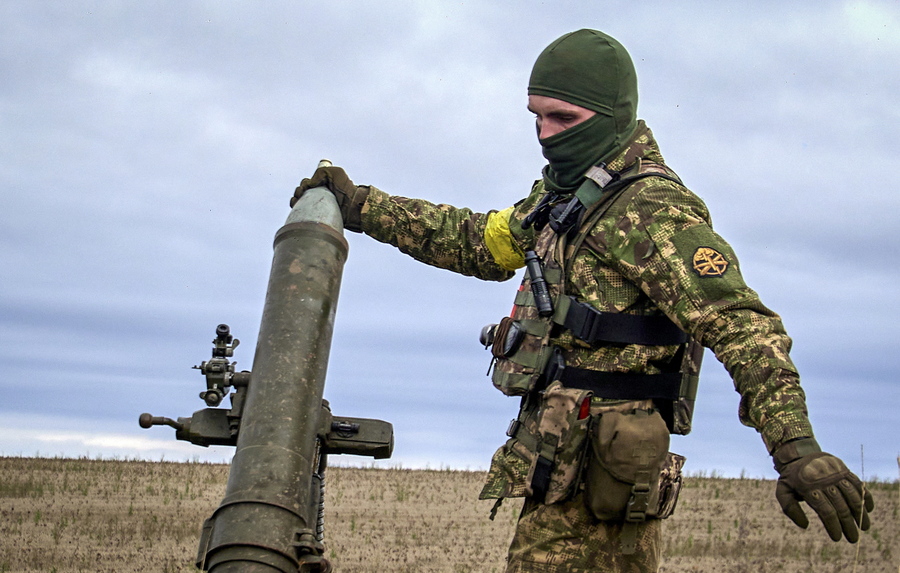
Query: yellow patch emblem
709	262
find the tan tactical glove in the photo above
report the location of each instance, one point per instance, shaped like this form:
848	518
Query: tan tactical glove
350	197
826	485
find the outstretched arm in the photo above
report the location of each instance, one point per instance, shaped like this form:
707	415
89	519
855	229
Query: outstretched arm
664	244
438	235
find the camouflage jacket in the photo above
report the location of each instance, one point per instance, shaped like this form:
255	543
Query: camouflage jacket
655	252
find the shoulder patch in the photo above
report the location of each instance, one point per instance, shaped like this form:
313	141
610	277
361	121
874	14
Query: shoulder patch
706	266
708	262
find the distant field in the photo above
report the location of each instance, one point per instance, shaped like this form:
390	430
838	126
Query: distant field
127	516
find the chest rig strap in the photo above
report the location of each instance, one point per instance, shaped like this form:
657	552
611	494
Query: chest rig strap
623	385
529	365
590	325
593	326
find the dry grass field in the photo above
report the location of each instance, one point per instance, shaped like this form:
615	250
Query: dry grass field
59	516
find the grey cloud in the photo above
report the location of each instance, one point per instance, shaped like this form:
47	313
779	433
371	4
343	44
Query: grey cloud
147	154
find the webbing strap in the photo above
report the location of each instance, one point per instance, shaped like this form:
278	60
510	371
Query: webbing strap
609	195
593	326
623	385
628	538
543	467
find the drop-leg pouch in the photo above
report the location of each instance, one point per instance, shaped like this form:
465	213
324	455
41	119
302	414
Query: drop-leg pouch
560	443
627	451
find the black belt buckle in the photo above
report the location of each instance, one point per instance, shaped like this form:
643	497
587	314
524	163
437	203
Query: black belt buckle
555	367
513	428
588	316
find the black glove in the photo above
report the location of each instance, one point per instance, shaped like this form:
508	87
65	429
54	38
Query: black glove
826	485
350	197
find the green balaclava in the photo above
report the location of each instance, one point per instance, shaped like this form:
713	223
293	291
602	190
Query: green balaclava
590	69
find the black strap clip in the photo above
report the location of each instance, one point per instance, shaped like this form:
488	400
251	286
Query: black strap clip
555	368
541	214
565	217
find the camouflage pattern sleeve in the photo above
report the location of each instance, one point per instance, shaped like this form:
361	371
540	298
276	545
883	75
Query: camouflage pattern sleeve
662	241
444	236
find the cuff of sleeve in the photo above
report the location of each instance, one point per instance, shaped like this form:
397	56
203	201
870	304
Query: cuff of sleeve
794	450
368	220
784	428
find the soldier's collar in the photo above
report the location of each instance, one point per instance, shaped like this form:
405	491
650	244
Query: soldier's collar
641	144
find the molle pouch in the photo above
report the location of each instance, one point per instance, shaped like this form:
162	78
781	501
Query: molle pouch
560	444
520	345
517	371
627	454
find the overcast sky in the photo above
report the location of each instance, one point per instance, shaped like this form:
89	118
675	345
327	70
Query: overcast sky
148	151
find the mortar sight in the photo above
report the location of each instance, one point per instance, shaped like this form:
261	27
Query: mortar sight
222	345
218	370
212	426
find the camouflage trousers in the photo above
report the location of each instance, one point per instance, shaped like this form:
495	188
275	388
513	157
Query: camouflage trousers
565	538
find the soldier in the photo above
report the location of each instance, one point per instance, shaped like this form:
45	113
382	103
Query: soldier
626	281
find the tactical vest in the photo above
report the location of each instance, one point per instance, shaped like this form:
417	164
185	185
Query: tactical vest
524	360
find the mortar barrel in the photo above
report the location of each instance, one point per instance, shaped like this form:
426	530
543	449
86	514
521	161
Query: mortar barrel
264	521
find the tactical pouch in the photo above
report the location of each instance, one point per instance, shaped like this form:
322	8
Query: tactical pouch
560	444
517	372
627	454
519	366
